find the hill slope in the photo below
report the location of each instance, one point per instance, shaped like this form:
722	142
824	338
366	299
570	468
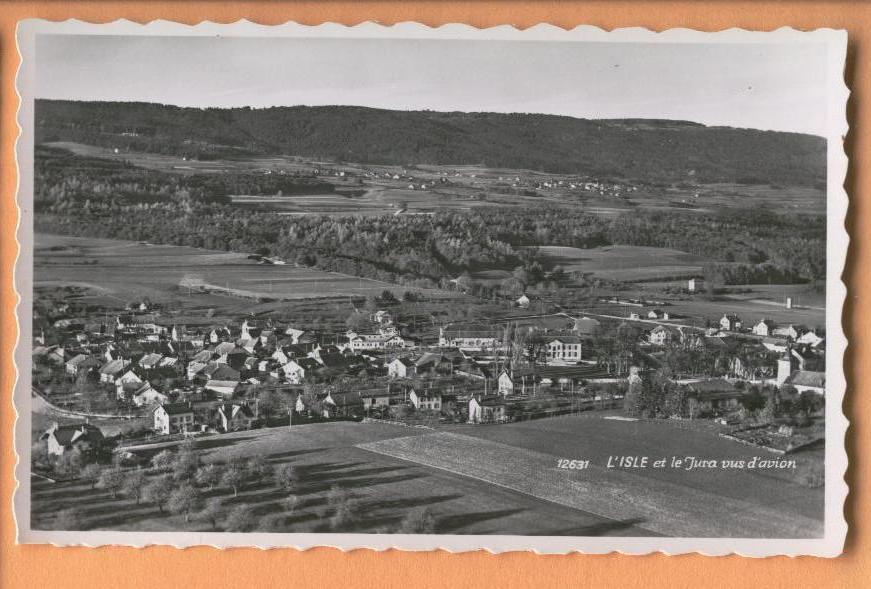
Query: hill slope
650	150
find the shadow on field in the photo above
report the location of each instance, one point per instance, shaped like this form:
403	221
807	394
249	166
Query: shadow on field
221	443
411	503
291	453
605	528
455	522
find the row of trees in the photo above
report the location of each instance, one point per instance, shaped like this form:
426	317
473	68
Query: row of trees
178	483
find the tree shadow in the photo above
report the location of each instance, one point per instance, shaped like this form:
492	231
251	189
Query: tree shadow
605	528
292	453
220	443
452	523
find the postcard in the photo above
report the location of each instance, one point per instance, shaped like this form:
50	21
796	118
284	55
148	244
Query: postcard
419	288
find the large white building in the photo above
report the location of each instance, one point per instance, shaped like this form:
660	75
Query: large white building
563	349
471	336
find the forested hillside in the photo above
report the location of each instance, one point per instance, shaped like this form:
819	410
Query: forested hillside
648	150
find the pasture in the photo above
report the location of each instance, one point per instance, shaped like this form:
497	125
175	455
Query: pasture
126	271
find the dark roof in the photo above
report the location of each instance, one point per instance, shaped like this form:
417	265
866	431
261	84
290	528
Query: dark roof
65	434
177	408
714	385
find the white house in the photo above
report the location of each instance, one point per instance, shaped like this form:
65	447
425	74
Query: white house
63	438
563	349
662	335
400	368
235	417
764	328
173	418
425	399
523	302
730	322
147	395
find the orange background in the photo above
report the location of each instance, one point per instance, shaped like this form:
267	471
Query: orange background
46	566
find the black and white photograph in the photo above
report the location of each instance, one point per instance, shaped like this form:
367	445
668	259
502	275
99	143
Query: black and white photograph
431	288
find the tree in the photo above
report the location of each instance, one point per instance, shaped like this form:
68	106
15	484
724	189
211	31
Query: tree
186	462
211	512
208	476
357	321
185	499
159	490
91	473
68	519
134	482
240	519
418	521
270	402
291	502
387	296
258	468
343	508
285	476
162	461
234	476
111	479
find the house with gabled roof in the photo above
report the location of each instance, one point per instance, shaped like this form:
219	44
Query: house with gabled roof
235	417
173	418
400	368
113	369
81	363
64	438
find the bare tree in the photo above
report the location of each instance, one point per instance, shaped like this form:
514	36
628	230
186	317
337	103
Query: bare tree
91	473
240	519
212	512
418	521
343	508
158	491
133	485
185	500
162	461
234	476
208	476
68	519
111	479
285	476
258	469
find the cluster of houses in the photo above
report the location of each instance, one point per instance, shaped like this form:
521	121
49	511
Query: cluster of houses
204	375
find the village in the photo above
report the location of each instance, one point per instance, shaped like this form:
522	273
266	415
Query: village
219	375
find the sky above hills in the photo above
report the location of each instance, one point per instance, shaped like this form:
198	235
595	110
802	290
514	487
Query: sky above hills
777	87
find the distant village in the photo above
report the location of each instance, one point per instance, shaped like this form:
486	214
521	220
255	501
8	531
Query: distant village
210	375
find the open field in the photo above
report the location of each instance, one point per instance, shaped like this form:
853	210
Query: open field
761	302
384	489
125	271
483	480
464	187
625	262
669	507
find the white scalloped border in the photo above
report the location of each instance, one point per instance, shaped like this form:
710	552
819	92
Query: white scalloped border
831	545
